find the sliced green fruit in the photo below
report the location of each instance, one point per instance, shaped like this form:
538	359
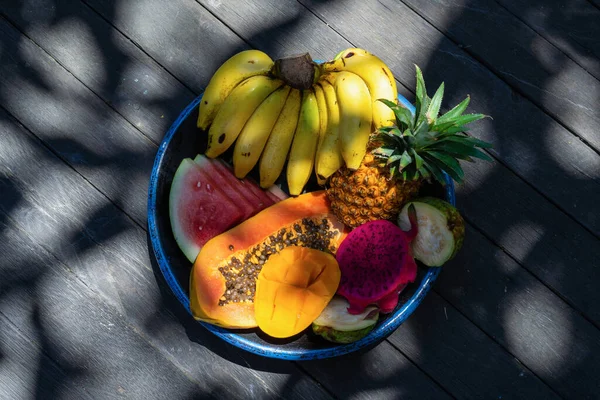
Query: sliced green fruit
441	230
337	325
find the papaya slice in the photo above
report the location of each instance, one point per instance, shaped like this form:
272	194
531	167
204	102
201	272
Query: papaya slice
223	281
293	288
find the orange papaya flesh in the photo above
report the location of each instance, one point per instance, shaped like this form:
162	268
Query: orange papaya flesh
293	288
225	272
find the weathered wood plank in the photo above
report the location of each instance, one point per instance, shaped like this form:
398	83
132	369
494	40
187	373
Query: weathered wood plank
572	27
106	62
54	310
291	30
92	244
524	316
523	58
28	372
75	123
464	359
178	35
538	236
526	139
147	95
363	376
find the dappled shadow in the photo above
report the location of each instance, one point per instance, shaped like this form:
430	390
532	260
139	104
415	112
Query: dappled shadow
32	350
527	268
106	164
11	197
525	204
529	209
50	385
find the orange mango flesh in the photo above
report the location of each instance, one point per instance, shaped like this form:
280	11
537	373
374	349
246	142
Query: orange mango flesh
293	289
207	284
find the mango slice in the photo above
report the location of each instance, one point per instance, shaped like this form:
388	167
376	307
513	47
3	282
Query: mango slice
293	288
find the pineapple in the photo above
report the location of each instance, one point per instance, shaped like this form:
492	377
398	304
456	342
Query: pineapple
400	158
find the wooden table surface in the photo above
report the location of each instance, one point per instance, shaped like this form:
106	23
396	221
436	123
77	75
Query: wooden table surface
88	89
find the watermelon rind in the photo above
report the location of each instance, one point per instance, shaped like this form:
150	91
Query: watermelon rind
193	203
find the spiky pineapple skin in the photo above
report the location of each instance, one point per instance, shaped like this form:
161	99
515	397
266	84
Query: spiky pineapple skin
368	193
420	146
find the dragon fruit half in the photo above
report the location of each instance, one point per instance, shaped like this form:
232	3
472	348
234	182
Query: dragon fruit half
376	263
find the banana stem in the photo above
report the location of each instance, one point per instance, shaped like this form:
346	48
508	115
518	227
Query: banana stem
298	71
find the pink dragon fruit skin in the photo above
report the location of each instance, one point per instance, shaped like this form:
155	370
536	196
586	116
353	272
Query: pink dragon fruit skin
376	263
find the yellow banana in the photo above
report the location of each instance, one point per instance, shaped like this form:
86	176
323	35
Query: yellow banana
377	76
236	110
352	51
233	71
278	144
253	137
329	157
304	146
322	105
356	115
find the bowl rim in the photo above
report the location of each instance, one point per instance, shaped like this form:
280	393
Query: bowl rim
379	333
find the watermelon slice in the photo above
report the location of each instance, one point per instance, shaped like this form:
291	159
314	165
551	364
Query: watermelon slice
251	190
276	193
242	186
198	209
228	185
253	187
273	197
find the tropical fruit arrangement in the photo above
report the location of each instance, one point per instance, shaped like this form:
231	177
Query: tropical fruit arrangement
269	252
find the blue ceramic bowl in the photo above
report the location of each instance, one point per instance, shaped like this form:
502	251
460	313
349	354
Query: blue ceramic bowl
184	140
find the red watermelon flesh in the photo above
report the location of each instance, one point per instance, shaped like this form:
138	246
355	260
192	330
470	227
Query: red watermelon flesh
198	209
276	193
228	185
273	197
250	190
257	191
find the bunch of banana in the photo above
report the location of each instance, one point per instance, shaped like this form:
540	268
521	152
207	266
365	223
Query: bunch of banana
353	82
317	120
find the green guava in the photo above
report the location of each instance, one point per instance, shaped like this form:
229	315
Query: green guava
441	230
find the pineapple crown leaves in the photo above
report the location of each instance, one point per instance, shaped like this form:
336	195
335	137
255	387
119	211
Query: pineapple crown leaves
424	144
